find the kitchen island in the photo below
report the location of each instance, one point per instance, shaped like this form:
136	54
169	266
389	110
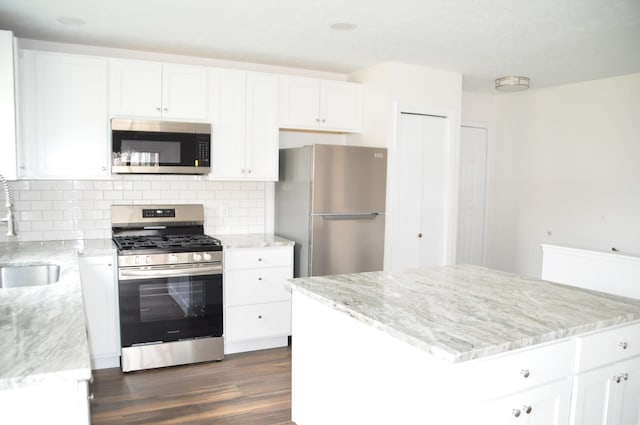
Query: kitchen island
460	345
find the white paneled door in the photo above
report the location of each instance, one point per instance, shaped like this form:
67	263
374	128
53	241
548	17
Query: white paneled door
471	195
421	215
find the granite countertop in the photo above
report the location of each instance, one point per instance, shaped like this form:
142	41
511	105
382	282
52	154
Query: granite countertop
253	240
42	328
464	312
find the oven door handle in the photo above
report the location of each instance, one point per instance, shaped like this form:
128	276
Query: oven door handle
127	274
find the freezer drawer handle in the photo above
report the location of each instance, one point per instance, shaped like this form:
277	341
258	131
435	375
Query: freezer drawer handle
348	216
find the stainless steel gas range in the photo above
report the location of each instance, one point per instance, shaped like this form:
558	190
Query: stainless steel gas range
170	286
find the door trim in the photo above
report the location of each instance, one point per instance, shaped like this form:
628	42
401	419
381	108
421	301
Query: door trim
452	120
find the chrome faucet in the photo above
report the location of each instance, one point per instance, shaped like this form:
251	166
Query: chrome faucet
8	202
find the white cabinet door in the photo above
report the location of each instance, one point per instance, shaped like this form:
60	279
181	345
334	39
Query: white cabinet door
8	163
135	88
64	123
100	296
608	395
184	92
324	105
261	155
299	102
244	142
228	123
545	405
154	90
340	106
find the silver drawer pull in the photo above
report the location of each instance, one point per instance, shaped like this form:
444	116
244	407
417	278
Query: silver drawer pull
623	345
525	373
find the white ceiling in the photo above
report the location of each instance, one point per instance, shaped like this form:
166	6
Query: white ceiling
551	41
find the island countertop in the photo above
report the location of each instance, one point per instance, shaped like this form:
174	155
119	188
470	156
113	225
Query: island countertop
464	312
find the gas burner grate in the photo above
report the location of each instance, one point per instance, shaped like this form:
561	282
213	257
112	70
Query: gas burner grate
168	243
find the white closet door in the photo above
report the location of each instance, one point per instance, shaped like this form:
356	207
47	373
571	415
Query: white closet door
421	213
471	201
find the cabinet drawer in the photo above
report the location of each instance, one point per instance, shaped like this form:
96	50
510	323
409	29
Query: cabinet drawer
258	321
493	377
256	286
609	346
259	257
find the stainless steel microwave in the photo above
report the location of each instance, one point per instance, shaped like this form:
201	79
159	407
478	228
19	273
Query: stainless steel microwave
160	147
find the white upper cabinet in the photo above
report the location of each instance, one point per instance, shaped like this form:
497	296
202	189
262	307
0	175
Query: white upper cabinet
63	120
244	140
154	90
7	107
324	105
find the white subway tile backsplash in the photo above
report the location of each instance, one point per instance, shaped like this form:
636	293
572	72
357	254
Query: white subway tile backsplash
81	209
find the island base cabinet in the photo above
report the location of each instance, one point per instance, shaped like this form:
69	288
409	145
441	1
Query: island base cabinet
345	372
608	395
54	403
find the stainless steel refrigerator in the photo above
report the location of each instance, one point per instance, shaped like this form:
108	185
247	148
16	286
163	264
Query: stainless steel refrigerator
330	200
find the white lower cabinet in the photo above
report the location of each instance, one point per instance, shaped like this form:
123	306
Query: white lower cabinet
100	296
257	304
608	395
54	401
606	389
545	405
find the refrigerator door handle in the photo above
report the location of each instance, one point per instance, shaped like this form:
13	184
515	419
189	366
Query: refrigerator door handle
348	216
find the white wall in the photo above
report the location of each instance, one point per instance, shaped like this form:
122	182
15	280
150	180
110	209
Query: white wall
566	169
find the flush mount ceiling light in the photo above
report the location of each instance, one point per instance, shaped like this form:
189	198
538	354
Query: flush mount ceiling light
343	26
512	83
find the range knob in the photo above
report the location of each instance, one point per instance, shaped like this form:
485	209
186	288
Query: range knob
173	258
148	260
197	257
206	256
136	260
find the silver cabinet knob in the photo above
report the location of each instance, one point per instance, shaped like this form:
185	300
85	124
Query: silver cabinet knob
623	345
259	259
419	235
516	412
616	379
244	171
158	109
317	119
323	120
260	278
260	317
249	170
527	409
165	109
103	168
625	376
525	373
90	396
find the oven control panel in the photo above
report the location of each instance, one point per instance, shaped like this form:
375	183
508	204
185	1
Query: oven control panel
159	212
178	258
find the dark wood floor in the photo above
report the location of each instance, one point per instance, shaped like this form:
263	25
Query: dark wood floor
248	388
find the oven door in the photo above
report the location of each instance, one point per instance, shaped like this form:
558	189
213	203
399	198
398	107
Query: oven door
170	308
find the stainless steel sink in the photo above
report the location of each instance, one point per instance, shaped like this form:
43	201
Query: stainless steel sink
20	275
